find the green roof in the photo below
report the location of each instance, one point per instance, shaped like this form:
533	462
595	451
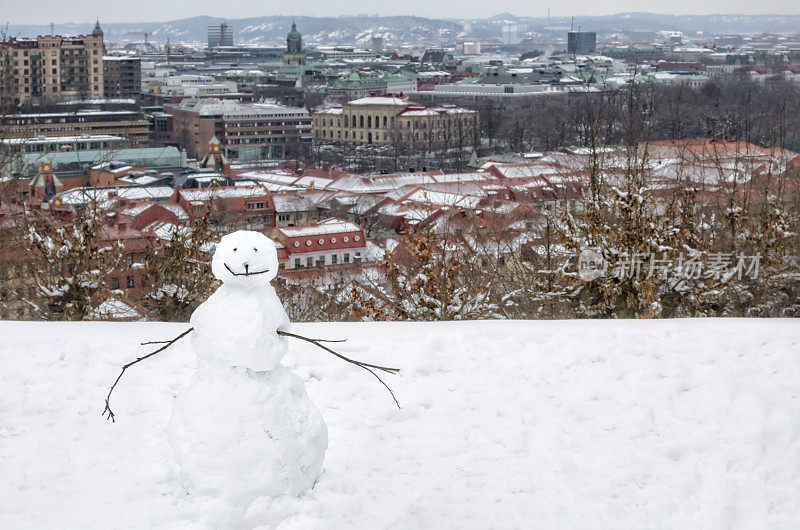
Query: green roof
149	157
355	81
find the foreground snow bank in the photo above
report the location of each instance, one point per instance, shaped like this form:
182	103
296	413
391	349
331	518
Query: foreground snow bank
582	424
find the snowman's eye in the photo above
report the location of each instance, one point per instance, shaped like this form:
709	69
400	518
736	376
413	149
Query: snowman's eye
234	250
254	248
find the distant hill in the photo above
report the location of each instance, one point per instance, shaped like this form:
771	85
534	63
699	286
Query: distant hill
415	30
270	29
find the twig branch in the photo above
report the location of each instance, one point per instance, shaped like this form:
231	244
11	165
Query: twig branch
366	366
279	333
169	343
318	342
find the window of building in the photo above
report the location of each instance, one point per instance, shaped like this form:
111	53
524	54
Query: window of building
296	263
334	259
346	257
115	283
129	282
309	262
255	205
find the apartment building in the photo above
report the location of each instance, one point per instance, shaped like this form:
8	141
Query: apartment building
122	77
330	242
52	67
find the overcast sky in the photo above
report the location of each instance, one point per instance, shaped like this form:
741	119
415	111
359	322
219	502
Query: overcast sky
58	11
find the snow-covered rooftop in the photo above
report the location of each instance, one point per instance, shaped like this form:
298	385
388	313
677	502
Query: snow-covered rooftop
85	195
383	100
63	139
204	194
329	226
387	183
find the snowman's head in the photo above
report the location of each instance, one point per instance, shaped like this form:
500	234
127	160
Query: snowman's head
248	259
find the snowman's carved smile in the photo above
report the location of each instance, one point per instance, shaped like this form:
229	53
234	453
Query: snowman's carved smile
245	273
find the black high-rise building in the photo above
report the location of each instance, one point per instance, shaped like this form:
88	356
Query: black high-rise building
581	42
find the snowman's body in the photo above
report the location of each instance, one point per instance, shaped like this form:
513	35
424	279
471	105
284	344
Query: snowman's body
245	426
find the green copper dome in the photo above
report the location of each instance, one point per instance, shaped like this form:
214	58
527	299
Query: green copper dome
294	41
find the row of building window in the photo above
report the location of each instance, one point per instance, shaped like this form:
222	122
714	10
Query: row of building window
130	282
65	51
55	89
260	133
268	122
321	241
390	122
326	259
259	141
398	135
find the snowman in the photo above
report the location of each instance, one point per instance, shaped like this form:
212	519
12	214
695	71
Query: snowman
245	427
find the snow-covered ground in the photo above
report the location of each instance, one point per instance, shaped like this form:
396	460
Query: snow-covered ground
582	424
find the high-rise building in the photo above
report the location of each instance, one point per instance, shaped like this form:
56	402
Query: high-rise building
514	33
52	67
581	42
376	44
122	77
220	34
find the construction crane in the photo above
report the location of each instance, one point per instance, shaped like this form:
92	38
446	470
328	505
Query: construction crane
146	34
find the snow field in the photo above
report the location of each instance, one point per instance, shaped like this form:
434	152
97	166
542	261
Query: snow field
505	424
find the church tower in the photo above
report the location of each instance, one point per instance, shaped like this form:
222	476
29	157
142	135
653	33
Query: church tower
294	55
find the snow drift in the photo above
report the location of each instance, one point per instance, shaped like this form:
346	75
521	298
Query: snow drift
581	424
